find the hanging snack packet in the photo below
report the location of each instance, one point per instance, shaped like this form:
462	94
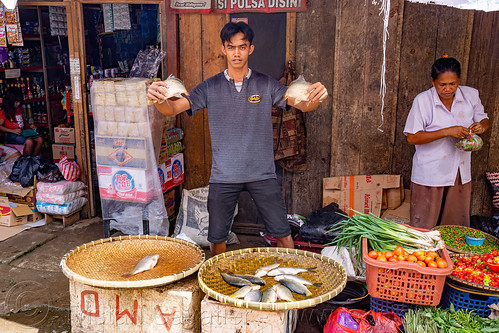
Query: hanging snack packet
471	143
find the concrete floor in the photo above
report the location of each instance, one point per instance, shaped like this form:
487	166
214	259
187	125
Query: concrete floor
34	291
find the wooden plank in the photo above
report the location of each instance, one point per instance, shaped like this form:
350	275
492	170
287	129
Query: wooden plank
290	37
314	59
416	57
191	73
483	74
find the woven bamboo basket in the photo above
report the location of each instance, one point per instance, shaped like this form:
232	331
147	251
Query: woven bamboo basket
453	249
102	263
330	273
467	283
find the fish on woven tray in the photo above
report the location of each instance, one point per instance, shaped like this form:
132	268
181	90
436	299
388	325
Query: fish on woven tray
253	296
145	264
262	271
297	279
234	280
290	270
296	287
242	292
269	295
284	293
251	278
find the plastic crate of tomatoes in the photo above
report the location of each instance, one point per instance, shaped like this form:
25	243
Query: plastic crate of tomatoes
405	281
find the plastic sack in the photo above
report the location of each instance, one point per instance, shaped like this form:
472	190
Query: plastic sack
24	170
59	199
147	63
60	187
319	222
193	217
48	172
70	170
343	257
343	320
68	208
471	143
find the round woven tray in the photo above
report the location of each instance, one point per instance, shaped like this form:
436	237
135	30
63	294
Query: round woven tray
102	263
467	283
330	273
453	249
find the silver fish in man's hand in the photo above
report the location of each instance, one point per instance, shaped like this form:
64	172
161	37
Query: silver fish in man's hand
241	293
175	88
234	280
262	271
145	264
297	90
284	293
253	296
251	278
296	287
290	270
297	279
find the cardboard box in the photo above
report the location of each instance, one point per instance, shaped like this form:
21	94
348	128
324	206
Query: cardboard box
11	216
171	173
122	152
402	214
126	183
170	203
61	150
363	193
26	196
64	135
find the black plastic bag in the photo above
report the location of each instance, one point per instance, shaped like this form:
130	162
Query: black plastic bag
483	223
28	170
16	169
48	172
319	222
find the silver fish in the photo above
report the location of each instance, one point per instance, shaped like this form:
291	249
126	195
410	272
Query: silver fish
269	295
296	287
253	296
284	293
241	293
297	90
145	264
251	278
233	280
262	271
175	88
289	270
297	279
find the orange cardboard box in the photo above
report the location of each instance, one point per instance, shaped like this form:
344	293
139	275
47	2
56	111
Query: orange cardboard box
11	216
364	193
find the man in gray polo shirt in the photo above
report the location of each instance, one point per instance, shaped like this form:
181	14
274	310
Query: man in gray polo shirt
239	103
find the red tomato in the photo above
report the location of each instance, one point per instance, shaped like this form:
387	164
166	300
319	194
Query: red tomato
398	251
373	254
441	263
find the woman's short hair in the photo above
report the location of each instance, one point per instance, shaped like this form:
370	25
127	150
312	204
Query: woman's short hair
443	65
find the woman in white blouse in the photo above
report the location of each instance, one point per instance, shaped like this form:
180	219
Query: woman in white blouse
441	173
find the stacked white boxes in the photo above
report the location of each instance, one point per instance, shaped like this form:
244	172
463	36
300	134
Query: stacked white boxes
127	142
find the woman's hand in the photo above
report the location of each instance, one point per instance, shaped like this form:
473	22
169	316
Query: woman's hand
32	126
477	128
458	132
17	131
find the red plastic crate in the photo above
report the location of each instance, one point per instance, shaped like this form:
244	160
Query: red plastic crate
403	281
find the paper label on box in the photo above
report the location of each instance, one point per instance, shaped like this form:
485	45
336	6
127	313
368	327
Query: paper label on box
124	152
171	173
125	184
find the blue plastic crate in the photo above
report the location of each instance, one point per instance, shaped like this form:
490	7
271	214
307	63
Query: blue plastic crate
382	305
465	298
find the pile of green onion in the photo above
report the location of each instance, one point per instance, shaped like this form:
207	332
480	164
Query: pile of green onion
383	235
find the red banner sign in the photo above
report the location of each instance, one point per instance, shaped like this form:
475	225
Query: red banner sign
267	6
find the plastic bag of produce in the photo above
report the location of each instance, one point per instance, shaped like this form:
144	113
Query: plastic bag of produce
343	320
471	143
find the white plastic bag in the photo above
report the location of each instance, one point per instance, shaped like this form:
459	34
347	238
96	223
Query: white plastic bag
68	208
343	257
61	187
59	199
193	217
